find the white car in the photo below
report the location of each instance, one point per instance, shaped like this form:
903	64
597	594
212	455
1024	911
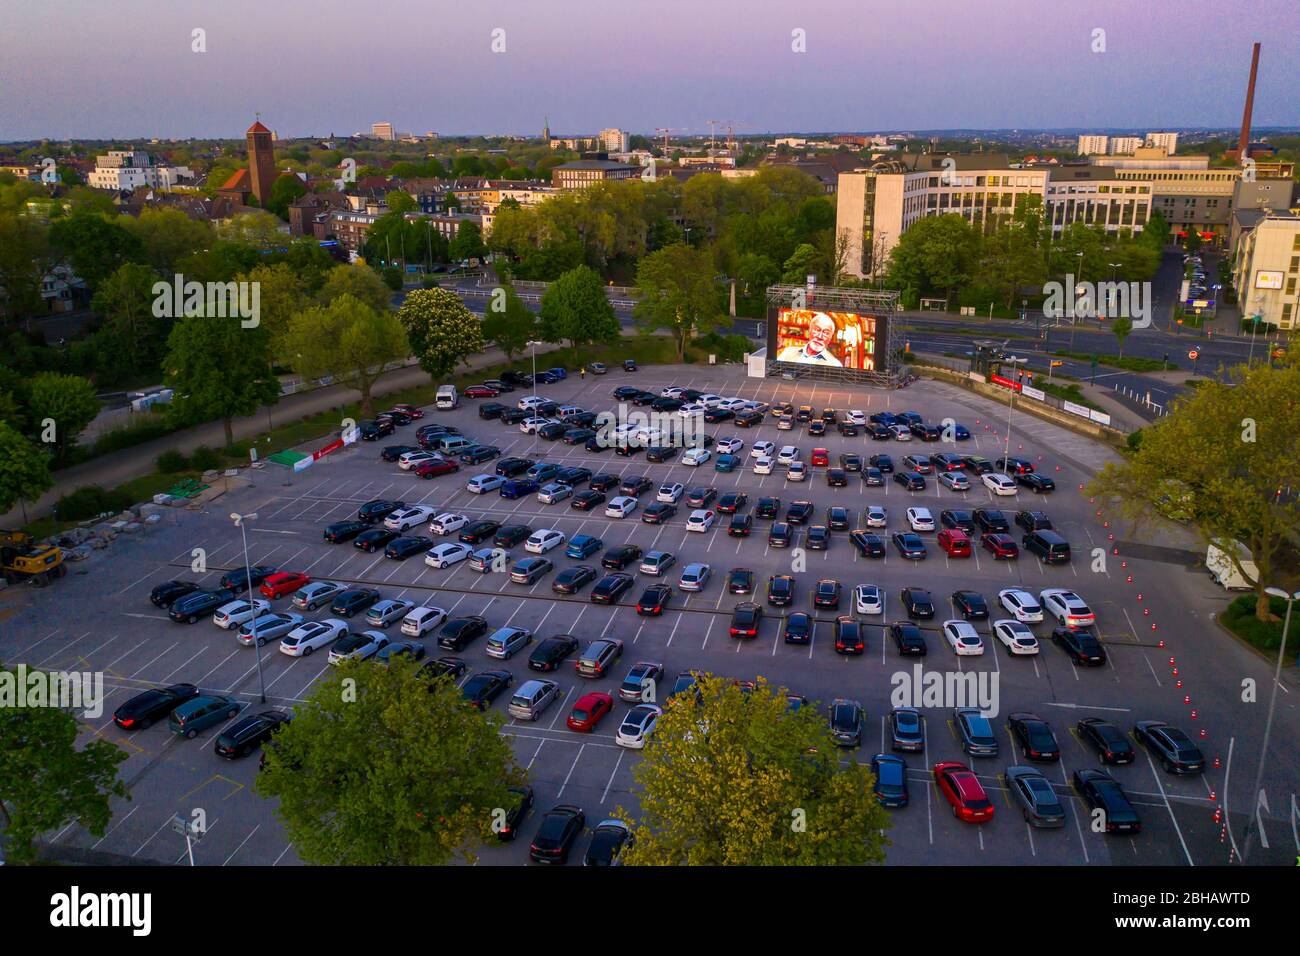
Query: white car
762	449
694	577
877	516
869	599
763	465
383	613
729	446
357	647
732	404
539	542
620	507
312	636
954	480
787	454
445	555
797	471
482	484
1015	637
530	425
1021	605
554	491
412	458
403	519
696	456
670	491
999	483
447	522
920	519
314	595
1067	607
856	417
235	613
637	725
267	627
785	423
529	402
672	391
691	409
963	638
710	400
420	621
901	432
700	520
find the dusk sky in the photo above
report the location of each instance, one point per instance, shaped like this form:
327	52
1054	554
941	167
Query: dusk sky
125	69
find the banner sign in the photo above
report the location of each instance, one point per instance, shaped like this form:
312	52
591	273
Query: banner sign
1004	382
1080	410
1033	392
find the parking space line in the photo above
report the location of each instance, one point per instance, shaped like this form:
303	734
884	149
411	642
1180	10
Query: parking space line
569	775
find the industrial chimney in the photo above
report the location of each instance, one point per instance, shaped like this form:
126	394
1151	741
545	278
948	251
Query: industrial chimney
1243	144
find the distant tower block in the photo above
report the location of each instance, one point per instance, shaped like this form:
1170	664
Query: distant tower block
261	161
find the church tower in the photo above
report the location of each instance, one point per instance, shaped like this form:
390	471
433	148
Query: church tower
261	161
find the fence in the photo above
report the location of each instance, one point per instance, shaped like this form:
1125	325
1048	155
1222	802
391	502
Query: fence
1123	391
293	386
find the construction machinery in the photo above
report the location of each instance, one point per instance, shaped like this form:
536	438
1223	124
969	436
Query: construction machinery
22	559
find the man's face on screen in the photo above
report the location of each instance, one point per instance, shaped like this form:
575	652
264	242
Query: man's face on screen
821	332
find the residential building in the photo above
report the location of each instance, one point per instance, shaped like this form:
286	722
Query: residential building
1125	145
382	131
31	173
1166	141
575	143
1267	272
613	140
585	172
1094	145
309	214
123	170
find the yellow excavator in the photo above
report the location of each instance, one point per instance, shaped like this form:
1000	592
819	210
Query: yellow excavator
21	559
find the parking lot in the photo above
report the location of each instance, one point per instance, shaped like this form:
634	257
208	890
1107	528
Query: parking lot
100	618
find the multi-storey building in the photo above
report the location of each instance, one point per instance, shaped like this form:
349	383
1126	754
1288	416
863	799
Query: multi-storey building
127	169
382	131
585	172
1096	196
1166	141
1267	272
1125	145
1094	145
613	140
1190	194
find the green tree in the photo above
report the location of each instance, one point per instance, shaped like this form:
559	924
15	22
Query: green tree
742	780
24	471
219	370
95	247
359	281
679	293
401	202
576	310
46	782
282	293
347	340
440	330
67	401
935	254
26	258
167	236
467	243
1121	326
804	261
510	327
284	192
382	767
131	341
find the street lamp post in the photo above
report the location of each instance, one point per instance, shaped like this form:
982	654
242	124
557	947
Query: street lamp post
1011	404
1253	826
240	523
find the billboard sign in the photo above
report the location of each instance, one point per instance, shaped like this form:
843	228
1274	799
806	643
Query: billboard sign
1268	280
830	339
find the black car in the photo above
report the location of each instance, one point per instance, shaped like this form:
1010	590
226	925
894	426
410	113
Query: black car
658	512
513	416
799	512
199	604
586	500
746	618
665	404
1101	791
478	454
552	431
883	462
732	502
479	531
624	392
572	579
700	497
740	581
152	705
616	559
377	510
560	827
1110	743
375	429
851	462
485	687
960	520
610	588
604	482
847	429
909	545
635	486
164	594
375	538
848	636
521	803
908	638
827	593
457	633
394	452
879	432
768	507
910	480
816	428
991	521
341	531
918	602
837	478
1174	749
642	397
1034	737
818	538
846	722
1036	482
971	604
654	600
868	543
580	436
572	476
798	628
490	410
402	548
452	668
241	579
551	653
353	601
779	535
1080	645
509	467
716	414
838	518
780	590
247	734
511	535
740	526
607	842
1034	521
661	453
748	419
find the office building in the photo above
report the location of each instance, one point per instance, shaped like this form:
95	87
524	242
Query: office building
585	172
1166	141
382	131
1093	145
613	140
127	169
1267	273
1124	145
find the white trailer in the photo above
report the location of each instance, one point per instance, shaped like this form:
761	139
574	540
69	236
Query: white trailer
1225	573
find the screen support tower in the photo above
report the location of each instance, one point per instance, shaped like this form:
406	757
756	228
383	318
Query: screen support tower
884	304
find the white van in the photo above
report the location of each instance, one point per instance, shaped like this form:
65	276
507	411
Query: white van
422	620
1225	572
447	397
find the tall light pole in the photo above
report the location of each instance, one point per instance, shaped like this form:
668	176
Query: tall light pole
241	522
1110	306
1011	404
1252	828
533	346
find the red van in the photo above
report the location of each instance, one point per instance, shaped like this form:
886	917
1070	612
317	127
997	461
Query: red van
955	542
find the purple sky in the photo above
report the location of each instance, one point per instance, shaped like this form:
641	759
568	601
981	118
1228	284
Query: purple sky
124	68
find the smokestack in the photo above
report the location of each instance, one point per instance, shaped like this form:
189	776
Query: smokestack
1243	144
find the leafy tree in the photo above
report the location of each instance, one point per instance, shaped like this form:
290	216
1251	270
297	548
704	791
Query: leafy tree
132	339
167	236
401	202
24	470
678	292
219	370
284	192
392	277
95	246
1121	326
261	231
281	295
346	339
381	767
359	281
804	261
26	258
576	310
511	327
220	262
934	255
1010	260
1222	457
440	330
46	782
742	780
467	243
69	402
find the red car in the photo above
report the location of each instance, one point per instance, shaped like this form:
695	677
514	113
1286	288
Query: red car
432	469
588	711
962	789
955	542
282	583
820	457
481	391
409	410
1001	545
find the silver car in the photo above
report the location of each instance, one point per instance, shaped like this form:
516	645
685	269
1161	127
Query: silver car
1038	801
694	577
317	594
268	627
506	641
532	698
384	613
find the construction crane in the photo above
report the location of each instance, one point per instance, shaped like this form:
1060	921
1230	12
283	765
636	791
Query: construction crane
666	130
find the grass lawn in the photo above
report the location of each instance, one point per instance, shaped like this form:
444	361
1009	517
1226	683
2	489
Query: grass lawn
1239	618
1113	361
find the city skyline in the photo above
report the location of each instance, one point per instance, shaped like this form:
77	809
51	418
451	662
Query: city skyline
935	68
